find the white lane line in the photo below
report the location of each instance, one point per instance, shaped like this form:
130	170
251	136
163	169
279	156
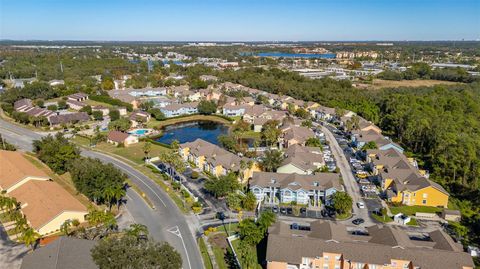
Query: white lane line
174	230
135	177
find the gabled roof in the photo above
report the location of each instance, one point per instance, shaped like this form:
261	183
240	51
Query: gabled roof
117	136
42	201
304	158
15	167
319	181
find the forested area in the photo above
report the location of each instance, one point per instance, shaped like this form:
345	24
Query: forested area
439	125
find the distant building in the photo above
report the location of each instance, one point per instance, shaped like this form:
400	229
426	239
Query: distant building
121	138
174	110
74	118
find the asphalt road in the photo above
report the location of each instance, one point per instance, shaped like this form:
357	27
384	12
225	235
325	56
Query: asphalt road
165	223
348	179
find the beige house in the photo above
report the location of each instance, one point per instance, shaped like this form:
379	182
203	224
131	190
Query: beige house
292	134
117	138
301	160
44	203
16	170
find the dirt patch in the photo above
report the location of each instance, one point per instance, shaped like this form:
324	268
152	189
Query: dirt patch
219	240
380	83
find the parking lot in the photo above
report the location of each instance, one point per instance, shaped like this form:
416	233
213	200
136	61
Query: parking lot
303	212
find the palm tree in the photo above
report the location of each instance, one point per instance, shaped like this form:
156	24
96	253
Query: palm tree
272	160
118	194
108	194
29	237
146	149
137	230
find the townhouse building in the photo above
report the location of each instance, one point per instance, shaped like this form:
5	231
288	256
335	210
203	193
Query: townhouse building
301	160
293	134
402	182
216	160
328	245
311	190
174	110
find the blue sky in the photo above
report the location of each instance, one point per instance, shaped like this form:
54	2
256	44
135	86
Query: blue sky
235	20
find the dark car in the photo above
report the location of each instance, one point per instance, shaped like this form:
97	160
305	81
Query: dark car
289	211
358	221
275	209
303	210
283	210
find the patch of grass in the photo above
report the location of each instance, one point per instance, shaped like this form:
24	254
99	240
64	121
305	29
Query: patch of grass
382	219
96	103
343	216
203	251
133	152
412	222
219	254
411	210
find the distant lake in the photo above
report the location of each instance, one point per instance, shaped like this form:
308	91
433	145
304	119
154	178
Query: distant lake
297	55
190	131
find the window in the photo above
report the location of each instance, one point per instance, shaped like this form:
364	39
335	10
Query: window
325	258
337	266
337	258
424	201
425	195
325	266
372	266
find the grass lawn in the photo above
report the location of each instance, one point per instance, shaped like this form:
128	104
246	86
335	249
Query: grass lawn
133	152
96	103
159	124
203	251
343	216
382	219
413	222
411	210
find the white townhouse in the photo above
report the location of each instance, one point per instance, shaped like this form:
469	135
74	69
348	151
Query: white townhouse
275	188
174	110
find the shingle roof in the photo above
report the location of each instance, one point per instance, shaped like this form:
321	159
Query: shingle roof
15	167
305	158
63	253
319	181
117	136
372	249
42	201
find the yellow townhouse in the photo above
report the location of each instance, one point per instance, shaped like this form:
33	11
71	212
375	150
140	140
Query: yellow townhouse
402	182
216	160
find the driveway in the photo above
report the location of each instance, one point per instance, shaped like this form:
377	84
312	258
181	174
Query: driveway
11	253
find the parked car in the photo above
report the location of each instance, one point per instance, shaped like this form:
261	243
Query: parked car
283	210
275	209
361	205
358	221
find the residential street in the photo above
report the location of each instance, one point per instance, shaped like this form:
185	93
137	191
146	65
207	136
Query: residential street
165	222
351	185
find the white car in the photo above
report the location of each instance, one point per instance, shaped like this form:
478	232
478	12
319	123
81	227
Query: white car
361	205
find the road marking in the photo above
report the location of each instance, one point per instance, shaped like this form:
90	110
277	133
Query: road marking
174	230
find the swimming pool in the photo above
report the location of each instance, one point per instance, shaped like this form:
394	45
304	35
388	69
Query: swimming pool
139	132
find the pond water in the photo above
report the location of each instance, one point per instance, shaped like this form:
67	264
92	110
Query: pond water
190	131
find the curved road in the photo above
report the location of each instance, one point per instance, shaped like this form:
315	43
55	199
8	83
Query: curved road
165	222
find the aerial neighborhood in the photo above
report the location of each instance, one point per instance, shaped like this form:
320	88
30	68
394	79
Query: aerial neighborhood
226	155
